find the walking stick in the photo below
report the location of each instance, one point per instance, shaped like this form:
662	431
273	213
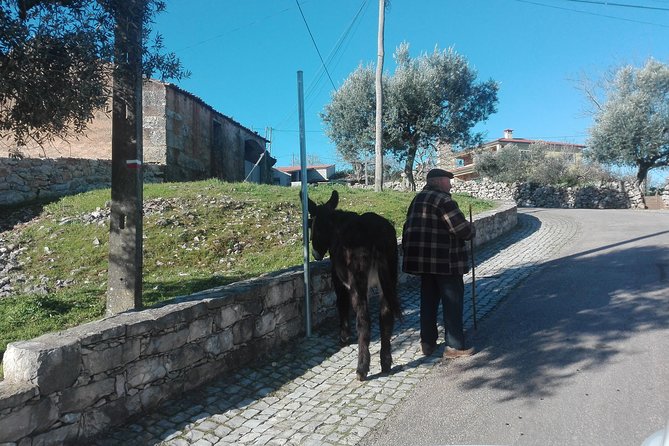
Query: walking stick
471	245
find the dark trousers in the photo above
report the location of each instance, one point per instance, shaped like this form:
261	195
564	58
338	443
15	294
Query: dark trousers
449	290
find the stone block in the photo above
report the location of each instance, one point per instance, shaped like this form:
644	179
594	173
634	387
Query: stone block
200	328
287	312
278	294
16	394
145	371
76	399
31	418
99	331
264	324
166	342
219	342
97	420
186	356
227	316
97	361
205	372
66	434
242	331
51	362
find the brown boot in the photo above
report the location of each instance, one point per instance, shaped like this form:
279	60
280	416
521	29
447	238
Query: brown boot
453	353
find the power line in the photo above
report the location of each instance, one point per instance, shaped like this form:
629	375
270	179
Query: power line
314	42
624	5
591	13
336	52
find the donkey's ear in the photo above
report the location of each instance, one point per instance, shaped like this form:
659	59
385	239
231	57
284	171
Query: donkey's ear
334	200
312	206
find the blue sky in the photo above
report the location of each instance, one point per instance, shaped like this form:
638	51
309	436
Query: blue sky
244	56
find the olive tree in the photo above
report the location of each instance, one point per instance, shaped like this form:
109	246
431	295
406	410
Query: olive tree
56	59
631	119
434	97
350	116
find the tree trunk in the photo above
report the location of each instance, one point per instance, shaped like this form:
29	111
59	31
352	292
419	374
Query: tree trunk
124	289
641	175
378	145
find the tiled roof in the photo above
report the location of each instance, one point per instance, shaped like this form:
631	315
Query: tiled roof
533	141
296	168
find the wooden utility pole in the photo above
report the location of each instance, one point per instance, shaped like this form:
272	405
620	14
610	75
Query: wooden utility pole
124	291
378	145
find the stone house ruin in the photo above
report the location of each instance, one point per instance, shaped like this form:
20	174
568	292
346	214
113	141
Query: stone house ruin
182	133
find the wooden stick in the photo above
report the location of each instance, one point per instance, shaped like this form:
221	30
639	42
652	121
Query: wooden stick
471	244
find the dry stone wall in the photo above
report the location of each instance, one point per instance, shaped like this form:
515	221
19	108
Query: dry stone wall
66	387
612	195
30	179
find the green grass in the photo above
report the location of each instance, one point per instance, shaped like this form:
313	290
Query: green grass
206	234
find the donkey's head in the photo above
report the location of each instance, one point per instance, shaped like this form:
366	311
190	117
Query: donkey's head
322	224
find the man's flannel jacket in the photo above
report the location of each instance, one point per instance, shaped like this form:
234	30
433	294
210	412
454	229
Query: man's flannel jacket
433	239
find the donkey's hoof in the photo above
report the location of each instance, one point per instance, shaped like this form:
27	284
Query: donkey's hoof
344	340
361	376
386	368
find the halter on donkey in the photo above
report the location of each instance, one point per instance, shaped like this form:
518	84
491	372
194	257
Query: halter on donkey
363	253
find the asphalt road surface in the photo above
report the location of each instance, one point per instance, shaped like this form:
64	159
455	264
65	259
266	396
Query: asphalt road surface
578	354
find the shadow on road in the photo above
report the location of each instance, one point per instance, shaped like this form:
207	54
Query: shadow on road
571	317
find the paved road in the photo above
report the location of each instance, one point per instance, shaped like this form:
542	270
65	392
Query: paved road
550	342
577	355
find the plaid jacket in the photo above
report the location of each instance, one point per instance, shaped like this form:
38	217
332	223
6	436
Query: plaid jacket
434	234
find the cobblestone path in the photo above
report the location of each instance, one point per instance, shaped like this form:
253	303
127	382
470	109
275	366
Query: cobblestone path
309	395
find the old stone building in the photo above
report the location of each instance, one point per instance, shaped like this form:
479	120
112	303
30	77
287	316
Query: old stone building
188	137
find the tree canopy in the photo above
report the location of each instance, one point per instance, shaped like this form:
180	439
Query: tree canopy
55	64
631	122
432	98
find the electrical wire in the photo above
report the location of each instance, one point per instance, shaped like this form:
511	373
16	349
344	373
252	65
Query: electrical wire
335	52
591	13
624	5
315	45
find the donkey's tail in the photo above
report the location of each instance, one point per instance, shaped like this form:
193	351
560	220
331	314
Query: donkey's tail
388	272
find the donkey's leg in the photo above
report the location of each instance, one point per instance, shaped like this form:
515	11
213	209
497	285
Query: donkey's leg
343	305
388	306
386	322
363	323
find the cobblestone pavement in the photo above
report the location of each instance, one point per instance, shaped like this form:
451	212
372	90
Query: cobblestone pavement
309	395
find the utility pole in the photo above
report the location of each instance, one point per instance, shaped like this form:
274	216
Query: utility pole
378	145
124	290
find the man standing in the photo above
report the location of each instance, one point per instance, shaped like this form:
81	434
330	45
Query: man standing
433	242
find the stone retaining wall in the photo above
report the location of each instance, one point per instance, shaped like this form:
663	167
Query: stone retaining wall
66	387
30	179
613	195
665	195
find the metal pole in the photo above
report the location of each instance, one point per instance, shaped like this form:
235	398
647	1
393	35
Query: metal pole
305	202
471	244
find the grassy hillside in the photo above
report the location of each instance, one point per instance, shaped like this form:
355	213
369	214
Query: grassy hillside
196	236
